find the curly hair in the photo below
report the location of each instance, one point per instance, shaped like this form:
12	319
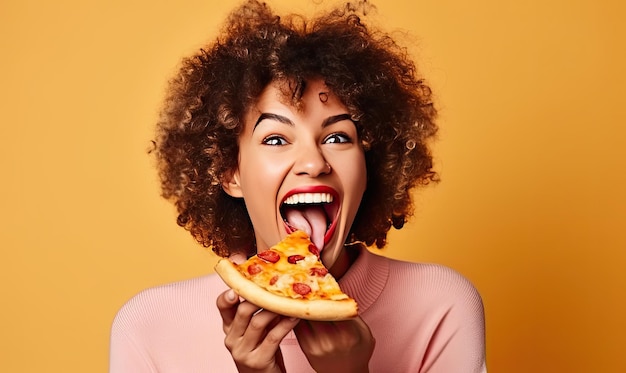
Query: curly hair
196	144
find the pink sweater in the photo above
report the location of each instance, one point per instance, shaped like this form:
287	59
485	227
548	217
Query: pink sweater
425	318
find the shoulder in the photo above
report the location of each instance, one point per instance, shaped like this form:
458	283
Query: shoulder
419	286
171	327
172	302
429	309
431	275
435	283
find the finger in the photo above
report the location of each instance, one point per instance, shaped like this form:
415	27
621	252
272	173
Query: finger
258	326
312	329
322	335
361	327
277	333
353	329
241	319
312	335
252	326
227	304
353	325
304	329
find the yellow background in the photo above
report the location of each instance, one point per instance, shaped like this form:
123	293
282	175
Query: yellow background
531	208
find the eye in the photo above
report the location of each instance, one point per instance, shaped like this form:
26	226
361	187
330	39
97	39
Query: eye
337	138
274	140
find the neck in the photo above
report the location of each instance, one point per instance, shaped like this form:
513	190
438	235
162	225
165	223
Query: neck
345	259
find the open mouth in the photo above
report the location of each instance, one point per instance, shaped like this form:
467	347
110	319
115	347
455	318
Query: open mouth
313	210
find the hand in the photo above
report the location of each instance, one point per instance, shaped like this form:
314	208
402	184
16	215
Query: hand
340	346
253	335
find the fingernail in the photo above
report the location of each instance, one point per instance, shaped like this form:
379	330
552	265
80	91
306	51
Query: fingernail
230	295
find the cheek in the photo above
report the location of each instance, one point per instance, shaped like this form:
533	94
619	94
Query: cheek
261	178
360	169
354	177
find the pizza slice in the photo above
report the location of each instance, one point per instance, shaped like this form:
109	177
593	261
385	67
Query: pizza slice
291	280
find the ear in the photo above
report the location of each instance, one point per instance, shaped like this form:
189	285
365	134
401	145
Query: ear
231	184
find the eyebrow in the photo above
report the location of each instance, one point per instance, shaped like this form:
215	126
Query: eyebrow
279	118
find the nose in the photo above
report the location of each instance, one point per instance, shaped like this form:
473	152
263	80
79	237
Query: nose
311	162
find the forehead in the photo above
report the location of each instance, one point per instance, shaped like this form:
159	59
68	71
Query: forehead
307	99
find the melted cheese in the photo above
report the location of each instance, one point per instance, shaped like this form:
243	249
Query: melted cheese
281	276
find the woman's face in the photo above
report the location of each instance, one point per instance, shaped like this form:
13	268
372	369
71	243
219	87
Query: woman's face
300	168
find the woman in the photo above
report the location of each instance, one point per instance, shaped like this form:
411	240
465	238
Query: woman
277	106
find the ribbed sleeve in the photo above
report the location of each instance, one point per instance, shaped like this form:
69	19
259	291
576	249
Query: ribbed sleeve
425	317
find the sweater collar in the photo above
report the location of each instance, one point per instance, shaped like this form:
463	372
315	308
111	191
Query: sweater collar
366	278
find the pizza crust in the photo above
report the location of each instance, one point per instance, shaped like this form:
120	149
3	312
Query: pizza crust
317	310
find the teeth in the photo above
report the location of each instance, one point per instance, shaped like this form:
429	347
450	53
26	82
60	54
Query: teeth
309	198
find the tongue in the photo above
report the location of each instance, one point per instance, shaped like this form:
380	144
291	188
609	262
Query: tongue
312	220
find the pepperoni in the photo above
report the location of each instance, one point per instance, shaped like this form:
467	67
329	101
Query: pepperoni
293	259
254	268
273	280
300	288
269	256
314	250
319	272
